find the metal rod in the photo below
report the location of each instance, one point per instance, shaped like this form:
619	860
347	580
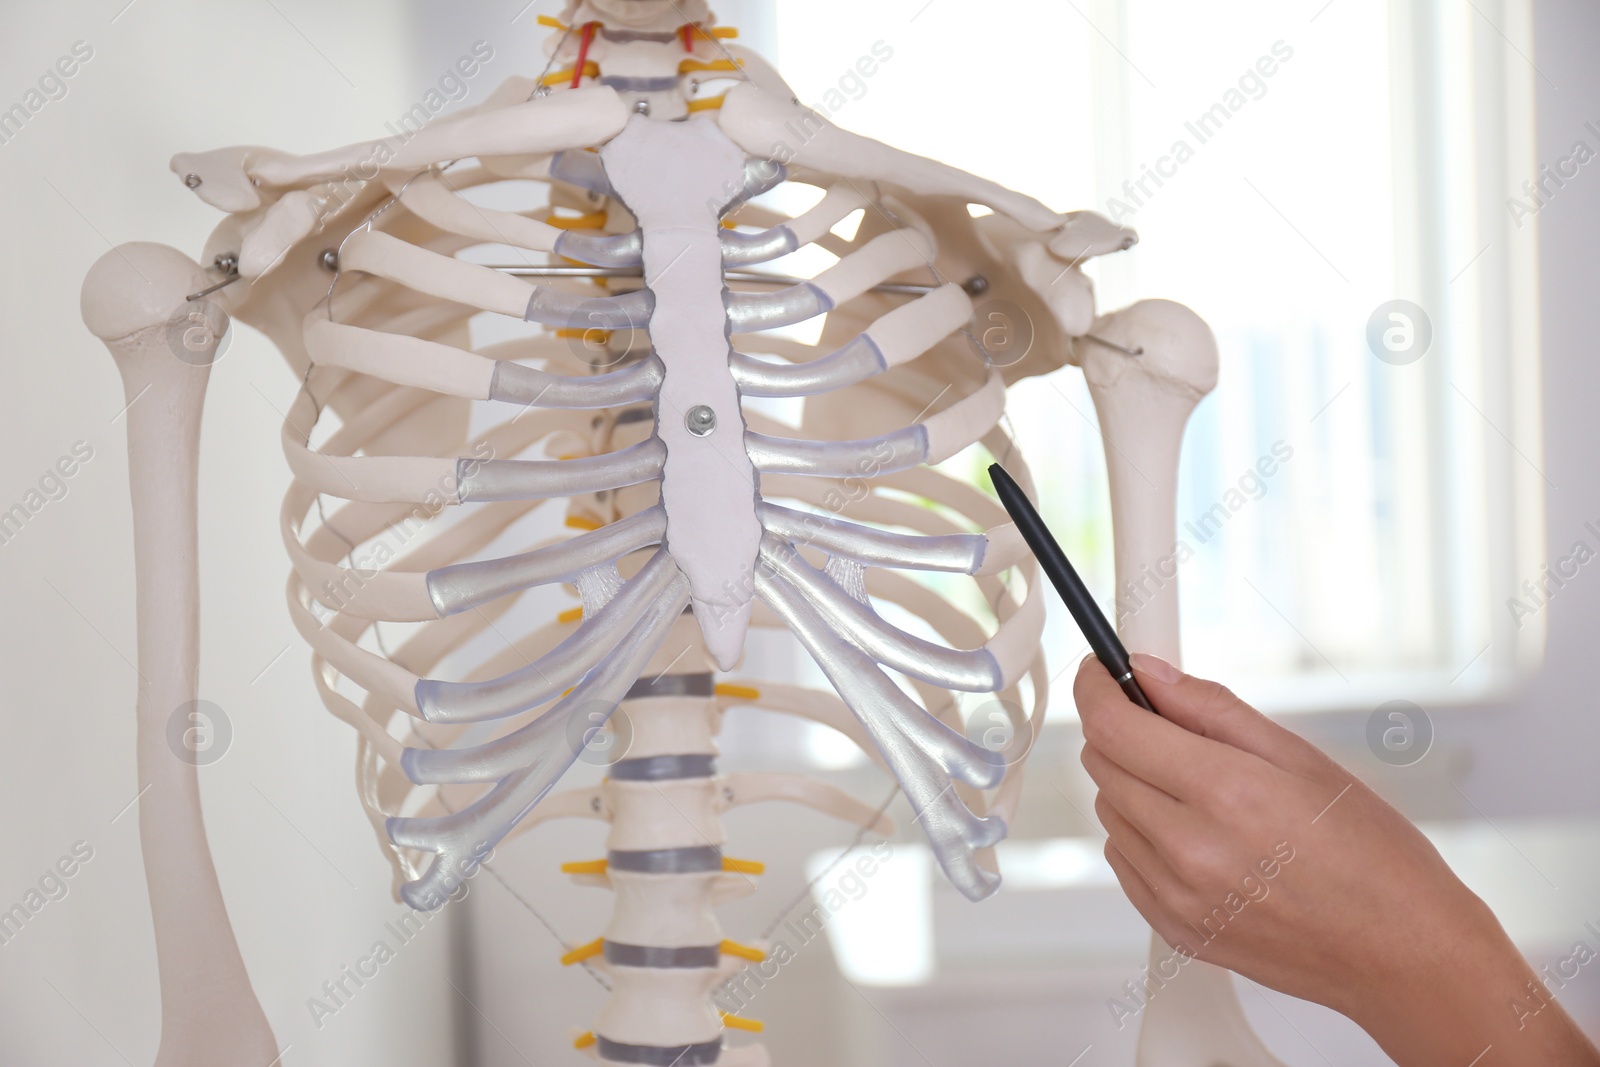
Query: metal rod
211	289
1114	346
747	276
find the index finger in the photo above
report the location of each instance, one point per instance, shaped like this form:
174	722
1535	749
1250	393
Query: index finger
1174	760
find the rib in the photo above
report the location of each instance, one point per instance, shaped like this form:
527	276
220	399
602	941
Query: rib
898	337
519	479
546	749
463	586
516	384
969	672
922	753
544	678
959	553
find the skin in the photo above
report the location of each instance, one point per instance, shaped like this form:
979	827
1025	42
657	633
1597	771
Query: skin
1244	845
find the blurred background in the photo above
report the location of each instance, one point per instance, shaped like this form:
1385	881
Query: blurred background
1385	210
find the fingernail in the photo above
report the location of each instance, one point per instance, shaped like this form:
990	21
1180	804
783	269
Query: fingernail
1155	667
1085	659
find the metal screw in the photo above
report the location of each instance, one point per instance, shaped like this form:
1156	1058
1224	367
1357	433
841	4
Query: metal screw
329	260
642	107
976	285
701	420
192	180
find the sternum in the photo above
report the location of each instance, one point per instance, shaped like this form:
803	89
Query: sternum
708	484
674	177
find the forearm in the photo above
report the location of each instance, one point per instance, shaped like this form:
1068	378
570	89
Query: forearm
1369	920
1478	1003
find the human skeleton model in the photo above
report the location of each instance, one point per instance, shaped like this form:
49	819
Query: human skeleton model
689	519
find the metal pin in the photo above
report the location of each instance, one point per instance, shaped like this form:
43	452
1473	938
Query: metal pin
227	263
748	276
212	288
1114	346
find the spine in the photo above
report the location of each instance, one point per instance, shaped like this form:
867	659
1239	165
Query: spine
663	948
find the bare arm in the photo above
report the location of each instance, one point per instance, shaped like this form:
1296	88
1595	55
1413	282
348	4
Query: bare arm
1245	845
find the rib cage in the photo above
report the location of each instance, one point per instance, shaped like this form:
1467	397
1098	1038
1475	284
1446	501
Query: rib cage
468	719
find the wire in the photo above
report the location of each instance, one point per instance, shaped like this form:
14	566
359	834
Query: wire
806	891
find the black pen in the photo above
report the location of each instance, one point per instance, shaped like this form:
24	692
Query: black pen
1097	631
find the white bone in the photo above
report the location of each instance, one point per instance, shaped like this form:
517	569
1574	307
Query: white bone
457	839
661	1007
883	257
1143	403
547	676
740	789
1087	234
1067	292
662	815
836	204
673	911
402	360
389	353
898	337
294	217
230	178
433	200
373	672
813	705
925	756
978	671
745	1056
428	272
773	128
964	553
707	481
209	1013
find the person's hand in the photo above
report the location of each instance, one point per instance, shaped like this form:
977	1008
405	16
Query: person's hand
1245	846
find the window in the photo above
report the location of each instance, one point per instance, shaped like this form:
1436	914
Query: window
1294	172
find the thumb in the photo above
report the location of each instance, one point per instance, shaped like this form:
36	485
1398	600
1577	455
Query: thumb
1212	710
